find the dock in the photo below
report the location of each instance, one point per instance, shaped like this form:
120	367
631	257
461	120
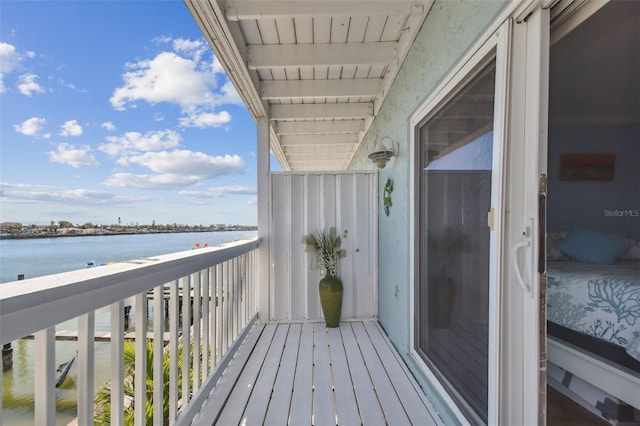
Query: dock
101	336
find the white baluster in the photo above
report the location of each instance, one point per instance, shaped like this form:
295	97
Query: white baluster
44	376
117	363
158	352
197	300
206	312
174	319
86	370
140	383
186	337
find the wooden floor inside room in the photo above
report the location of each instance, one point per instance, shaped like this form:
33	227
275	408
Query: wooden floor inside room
562	411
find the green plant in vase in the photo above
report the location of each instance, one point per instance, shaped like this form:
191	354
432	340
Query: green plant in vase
324	245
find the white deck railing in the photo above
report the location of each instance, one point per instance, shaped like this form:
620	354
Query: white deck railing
223	286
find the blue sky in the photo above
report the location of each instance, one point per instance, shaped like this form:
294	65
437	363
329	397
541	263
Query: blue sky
119	109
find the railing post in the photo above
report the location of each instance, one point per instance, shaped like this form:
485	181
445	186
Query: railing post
7	355
264	220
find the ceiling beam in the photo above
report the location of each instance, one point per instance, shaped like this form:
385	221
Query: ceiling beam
261	56
243	10
319	127
316	165
320	156
316	152
288	89
321	111
338	139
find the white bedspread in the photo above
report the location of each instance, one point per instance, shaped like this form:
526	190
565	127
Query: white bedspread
599	300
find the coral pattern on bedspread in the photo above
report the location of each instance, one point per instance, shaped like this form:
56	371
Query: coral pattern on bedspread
602	301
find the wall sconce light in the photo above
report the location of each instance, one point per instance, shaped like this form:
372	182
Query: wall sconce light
381	154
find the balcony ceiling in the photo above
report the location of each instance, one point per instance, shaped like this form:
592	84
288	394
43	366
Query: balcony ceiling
319	70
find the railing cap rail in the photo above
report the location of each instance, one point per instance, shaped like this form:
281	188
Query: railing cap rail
36	303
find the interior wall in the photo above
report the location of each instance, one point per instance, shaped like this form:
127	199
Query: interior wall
449	31
608	206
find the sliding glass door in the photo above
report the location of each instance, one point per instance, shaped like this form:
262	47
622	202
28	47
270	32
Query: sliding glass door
456	151
459	136
479	159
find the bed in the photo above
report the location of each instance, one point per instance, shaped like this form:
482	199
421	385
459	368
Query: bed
593	318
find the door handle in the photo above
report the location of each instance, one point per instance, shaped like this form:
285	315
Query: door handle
516	264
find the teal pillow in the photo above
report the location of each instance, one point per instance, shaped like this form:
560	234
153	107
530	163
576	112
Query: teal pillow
592	247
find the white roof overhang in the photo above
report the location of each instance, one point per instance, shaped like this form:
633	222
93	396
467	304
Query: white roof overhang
319	70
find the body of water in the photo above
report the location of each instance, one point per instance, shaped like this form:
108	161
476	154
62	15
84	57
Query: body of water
45	256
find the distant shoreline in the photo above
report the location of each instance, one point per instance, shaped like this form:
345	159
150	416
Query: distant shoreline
99	233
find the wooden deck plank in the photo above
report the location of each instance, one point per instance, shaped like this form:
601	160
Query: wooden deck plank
303	383
389	400
220	393
278	410
418	409
307	374
323	399
234	408
346	405
260	396
366	397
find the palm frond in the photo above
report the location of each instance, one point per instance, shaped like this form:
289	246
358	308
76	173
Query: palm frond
325	247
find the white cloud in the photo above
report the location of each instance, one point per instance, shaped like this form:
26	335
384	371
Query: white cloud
132	142
70	128
189	163
145	181
166	78
253	201
230	95
24	186
205	119
28	85
70	197
72	86
216	66
221	191
108	125
31	126
191	48
180	77
162	39
73	156
174	169
9	58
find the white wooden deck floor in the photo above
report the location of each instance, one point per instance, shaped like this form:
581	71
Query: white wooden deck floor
306	374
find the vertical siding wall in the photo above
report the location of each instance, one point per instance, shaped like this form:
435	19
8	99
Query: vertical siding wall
303	203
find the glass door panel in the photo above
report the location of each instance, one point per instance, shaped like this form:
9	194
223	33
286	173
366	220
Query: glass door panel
452	325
